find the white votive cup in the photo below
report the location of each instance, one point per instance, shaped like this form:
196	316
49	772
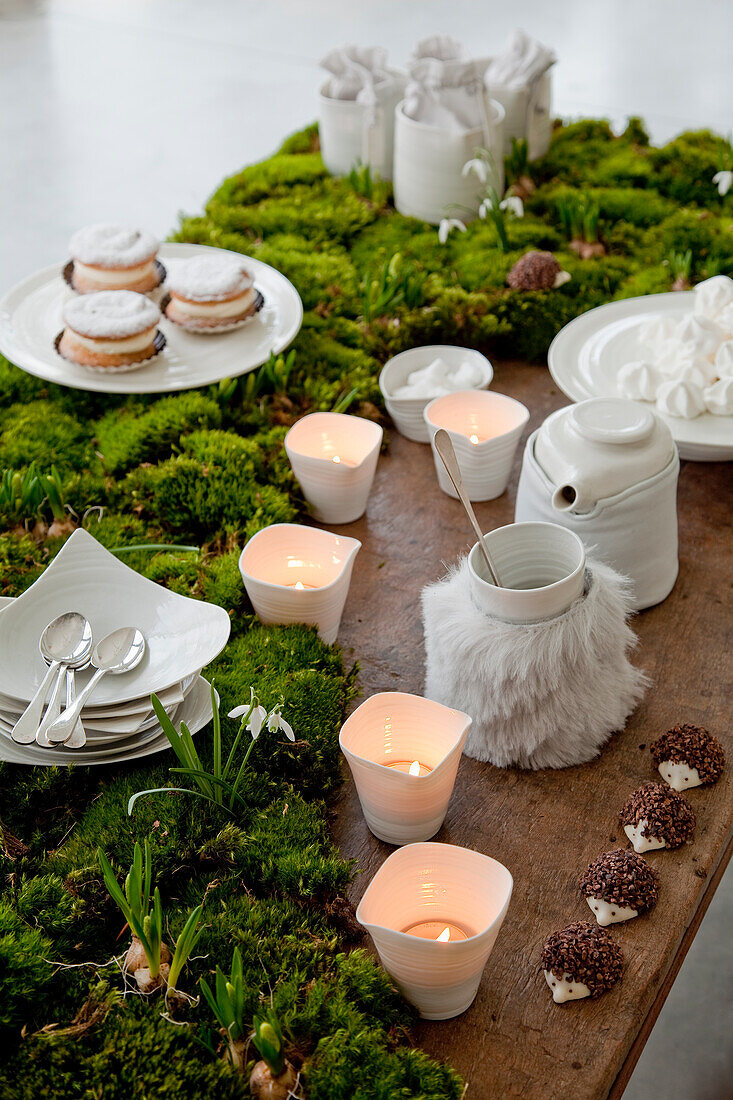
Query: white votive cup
407	412
334	457
485	428
296	574
541	569
427	888
404	752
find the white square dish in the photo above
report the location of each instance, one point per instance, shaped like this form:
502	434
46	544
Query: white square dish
183	635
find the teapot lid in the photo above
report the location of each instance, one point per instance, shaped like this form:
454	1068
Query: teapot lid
612	420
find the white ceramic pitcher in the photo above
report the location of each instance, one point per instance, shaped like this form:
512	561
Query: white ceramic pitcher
607	469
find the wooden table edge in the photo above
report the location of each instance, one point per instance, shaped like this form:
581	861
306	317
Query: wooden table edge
624	1075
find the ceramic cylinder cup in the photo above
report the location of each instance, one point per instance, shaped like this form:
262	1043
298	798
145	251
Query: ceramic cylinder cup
297	574
429	160
528	110
407	412
334	457
485	428
354	133
541	567
392	727
440	883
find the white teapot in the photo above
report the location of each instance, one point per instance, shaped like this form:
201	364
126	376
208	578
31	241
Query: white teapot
607	469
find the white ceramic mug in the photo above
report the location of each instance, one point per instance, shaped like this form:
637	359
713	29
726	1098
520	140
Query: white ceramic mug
354	133
541	567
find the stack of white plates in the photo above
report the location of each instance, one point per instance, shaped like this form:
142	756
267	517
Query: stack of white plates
182	636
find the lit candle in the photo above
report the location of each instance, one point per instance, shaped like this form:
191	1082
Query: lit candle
485	428
403	752
441	931
410	768
334	457
434	912
296	574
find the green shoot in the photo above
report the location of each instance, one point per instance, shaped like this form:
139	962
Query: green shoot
268	1038
227	1003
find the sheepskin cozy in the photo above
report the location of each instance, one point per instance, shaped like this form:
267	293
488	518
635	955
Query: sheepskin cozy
541	695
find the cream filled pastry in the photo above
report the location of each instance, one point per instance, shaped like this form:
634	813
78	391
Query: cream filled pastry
111	328
211	293
113	257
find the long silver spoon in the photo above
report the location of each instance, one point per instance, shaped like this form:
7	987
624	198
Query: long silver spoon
63	640
444	447
80	659
78	737
116	654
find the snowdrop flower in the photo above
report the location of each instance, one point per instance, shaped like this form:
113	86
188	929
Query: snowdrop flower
275	722
724	181
478	167
485	207
257	714
513	203
447	225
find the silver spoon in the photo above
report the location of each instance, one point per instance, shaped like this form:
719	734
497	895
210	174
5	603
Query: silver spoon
78	736
444	447
116	654
64	639
53	710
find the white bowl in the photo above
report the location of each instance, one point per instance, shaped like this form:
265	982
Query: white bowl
182	635
285	554
543	561
443	883
334	457
407	412
496	421
393	726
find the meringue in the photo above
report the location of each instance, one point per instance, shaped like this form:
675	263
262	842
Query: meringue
725	320
639	381
682	399
700	372
438	379
698	336
724	360
656	331
719	397
712	295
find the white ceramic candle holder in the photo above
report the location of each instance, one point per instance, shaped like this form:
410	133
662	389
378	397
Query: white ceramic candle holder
296	574
381	740
407	412
334	457
485	428
442	886
541	567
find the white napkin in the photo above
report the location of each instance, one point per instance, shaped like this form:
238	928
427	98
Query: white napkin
445	85
357	72
524	61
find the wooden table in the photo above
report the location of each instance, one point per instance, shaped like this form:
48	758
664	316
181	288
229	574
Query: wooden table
546	826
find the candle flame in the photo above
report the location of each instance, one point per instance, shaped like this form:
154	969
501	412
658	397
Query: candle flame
415	767
444	935
473	438
336	458
299	585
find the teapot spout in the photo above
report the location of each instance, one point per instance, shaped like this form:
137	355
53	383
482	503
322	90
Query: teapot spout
567	498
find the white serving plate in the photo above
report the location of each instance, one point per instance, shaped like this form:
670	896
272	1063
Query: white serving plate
585	357
125	713
195	711
183	635
30	320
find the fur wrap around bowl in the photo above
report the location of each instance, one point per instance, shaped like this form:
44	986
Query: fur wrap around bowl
541	695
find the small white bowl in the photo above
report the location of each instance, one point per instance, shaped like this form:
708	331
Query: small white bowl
485	428
544	561
285	554
334	457
440	883
407	412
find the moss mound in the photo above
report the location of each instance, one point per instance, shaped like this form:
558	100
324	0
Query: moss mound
207	468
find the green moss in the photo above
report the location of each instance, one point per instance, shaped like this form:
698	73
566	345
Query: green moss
684	168
24	971
133	436
42	433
